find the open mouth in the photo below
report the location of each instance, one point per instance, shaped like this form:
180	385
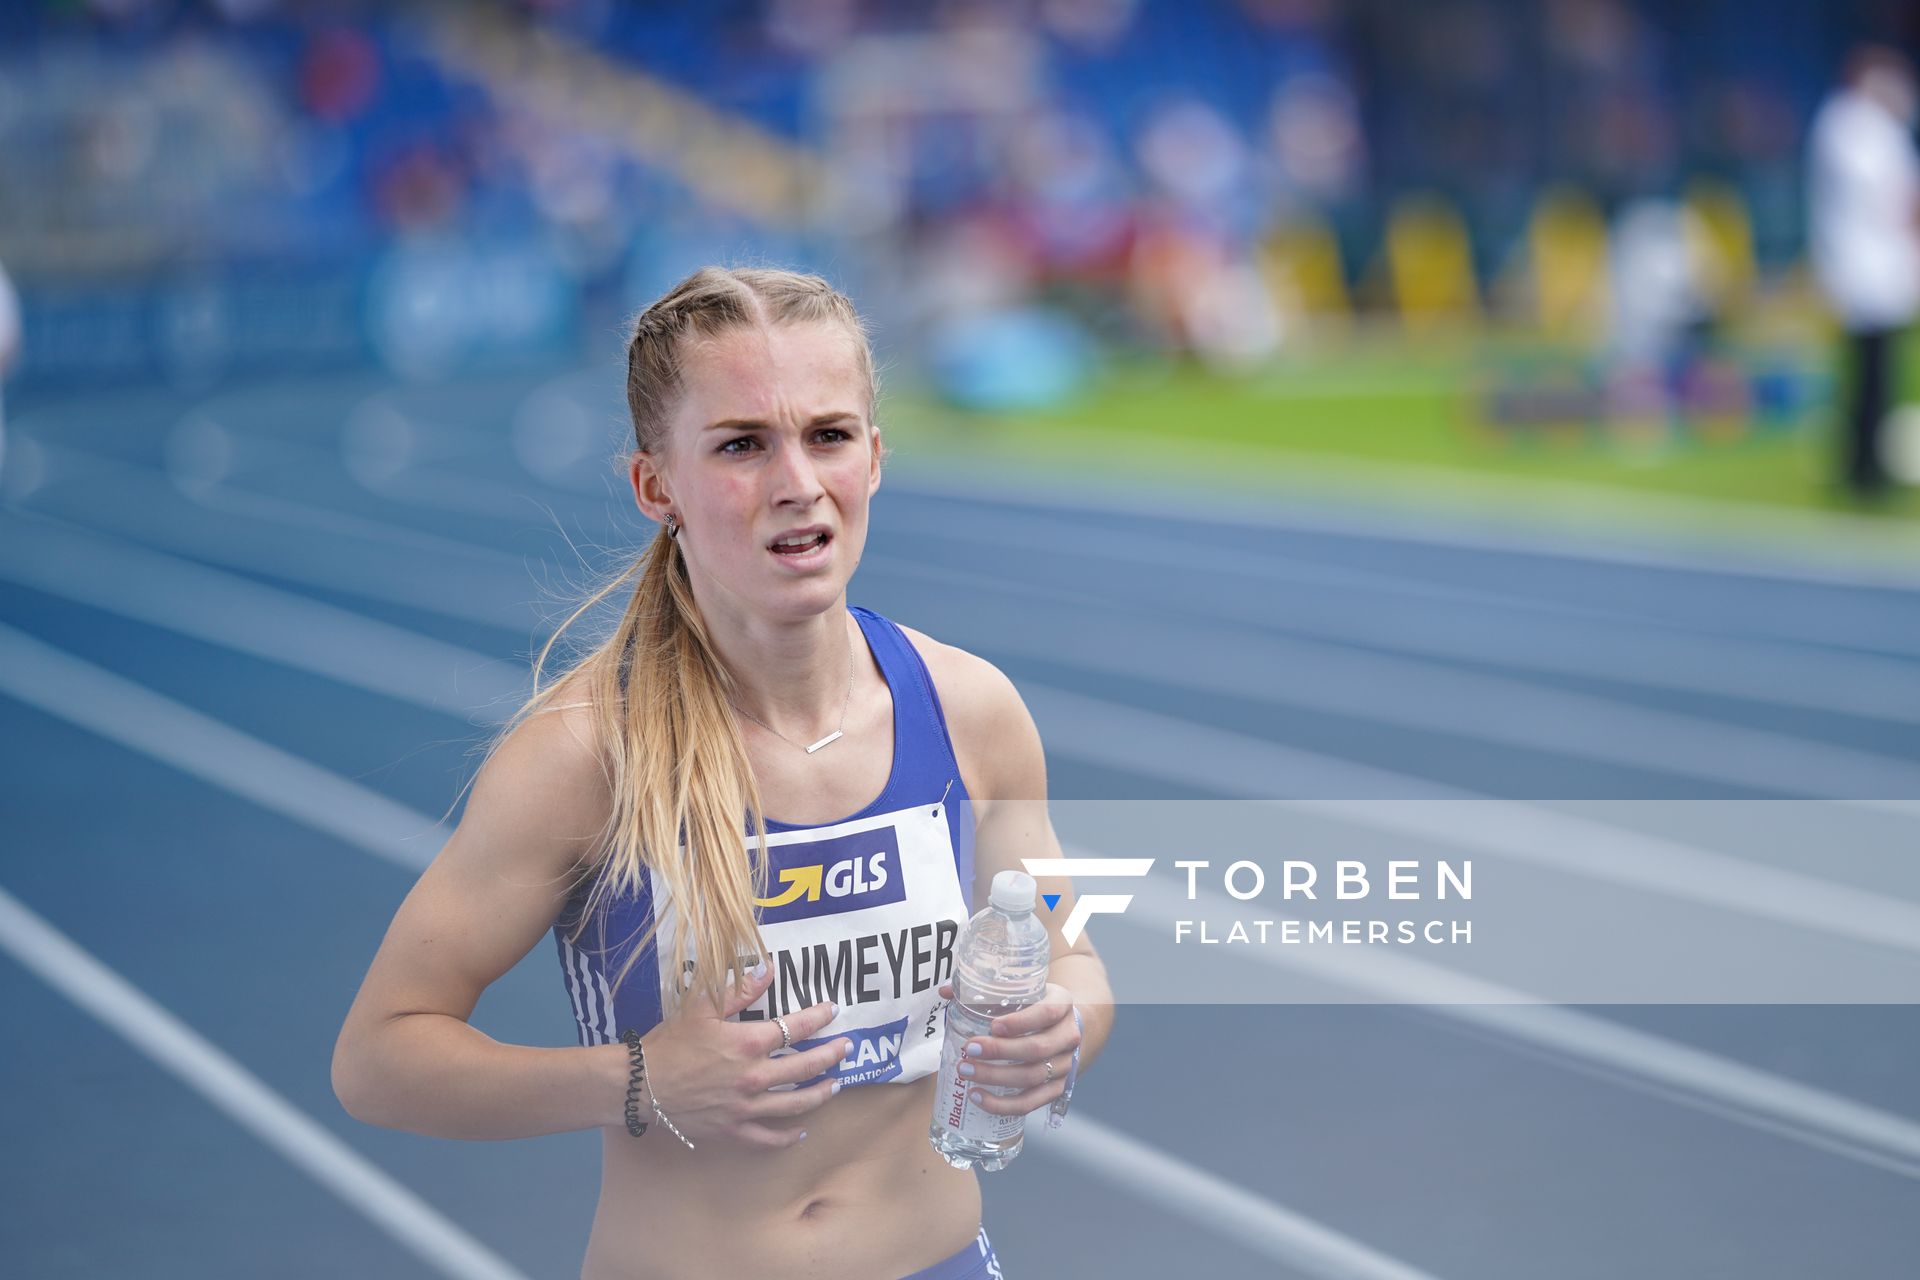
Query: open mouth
800	544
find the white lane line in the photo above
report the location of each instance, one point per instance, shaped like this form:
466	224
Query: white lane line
385	444
136	717
1568	1051
1026	530
187	740
1163	1180
199	1064
305	515
1220	762
253	618
1728	1088
1458	624
379	449
492	589
1753	541
1847	623
382	448
1286	673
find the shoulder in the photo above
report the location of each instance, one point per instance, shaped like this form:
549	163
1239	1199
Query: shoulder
564	723
972	690
546	780
987	718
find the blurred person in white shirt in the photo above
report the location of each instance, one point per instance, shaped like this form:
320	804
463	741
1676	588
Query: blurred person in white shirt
1864	213
1658	311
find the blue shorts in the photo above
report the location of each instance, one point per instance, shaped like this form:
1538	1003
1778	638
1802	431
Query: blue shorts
973	1262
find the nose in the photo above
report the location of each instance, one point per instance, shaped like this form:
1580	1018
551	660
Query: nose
796	482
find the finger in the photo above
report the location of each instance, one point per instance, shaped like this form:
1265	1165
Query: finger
760	1135
1035	1017
735	999
814	1020
1018	1049
792	1068
1020	1075
803	1024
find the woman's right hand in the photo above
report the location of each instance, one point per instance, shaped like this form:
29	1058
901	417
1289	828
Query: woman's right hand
713	1077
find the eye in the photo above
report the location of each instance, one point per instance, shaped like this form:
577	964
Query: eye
746	440
833	435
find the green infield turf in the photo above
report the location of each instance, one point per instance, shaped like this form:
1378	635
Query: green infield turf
1419	413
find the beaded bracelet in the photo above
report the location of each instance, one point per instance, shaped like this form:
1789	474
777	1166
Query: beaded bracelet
1057	1113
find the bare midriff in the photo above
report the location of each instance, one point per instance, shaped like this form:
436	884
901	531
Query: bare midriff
864	1197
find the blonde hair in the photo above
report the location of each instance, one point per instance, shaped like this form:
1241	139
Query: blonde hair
677	767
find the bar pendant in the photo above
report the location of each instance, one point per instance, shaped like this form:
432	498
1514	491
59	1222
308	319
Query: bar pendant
824	741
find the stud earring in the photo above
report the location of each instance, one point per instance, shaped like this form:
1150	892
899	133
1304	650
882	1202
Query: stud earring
673	526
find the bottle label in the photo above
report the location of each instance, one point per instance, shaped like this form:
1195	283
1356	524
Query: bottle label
959	1113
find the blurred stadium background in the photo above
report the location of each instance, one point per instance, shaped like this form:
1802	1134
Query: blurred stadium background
1449	374
1555	238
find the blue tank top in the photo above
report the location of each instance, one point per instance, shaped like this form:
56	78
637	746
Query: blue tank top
863	911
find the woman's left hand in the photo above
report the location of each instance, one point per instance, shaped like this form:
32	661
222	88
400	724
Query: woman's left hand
1018	1051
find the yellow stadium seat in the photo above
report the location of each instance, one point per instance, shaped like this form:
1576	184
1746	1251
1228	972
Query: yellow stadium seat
1430	265
1299	260
1720	214
1567	259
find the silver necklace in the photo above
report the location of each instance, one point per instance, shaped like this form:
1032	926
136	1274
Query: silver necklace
838	732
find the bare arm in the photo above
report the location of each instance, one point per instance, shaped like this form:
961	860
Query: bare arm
406	1057
1014	825
1005	765
1022	831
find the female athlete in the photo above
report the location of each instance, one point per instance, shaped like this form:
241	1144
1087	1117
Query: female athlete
797	801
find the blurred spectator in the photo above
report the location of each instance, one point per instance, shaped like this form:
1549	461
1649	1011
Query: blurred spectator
1656	288
190	185
1193	270
9	348
1864	187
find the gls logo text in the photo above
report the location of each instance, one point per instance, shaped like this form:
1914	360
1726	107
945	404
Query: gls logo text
1087	905
827	877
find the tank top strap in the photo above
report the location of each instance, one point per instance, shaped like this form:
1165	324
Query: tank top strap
924	761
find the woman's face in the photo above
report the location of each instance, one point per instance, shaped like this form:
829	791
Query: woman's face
771	440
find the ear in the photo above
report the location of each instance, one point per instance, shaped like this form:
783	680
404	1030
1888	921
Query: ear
649	485
873	464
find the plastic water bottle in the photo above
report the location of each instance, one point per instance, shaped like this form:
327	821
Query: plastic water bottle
999	967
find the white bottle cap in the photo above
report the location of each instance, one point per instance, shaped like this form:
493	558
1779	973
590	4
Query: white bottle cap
1012	891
